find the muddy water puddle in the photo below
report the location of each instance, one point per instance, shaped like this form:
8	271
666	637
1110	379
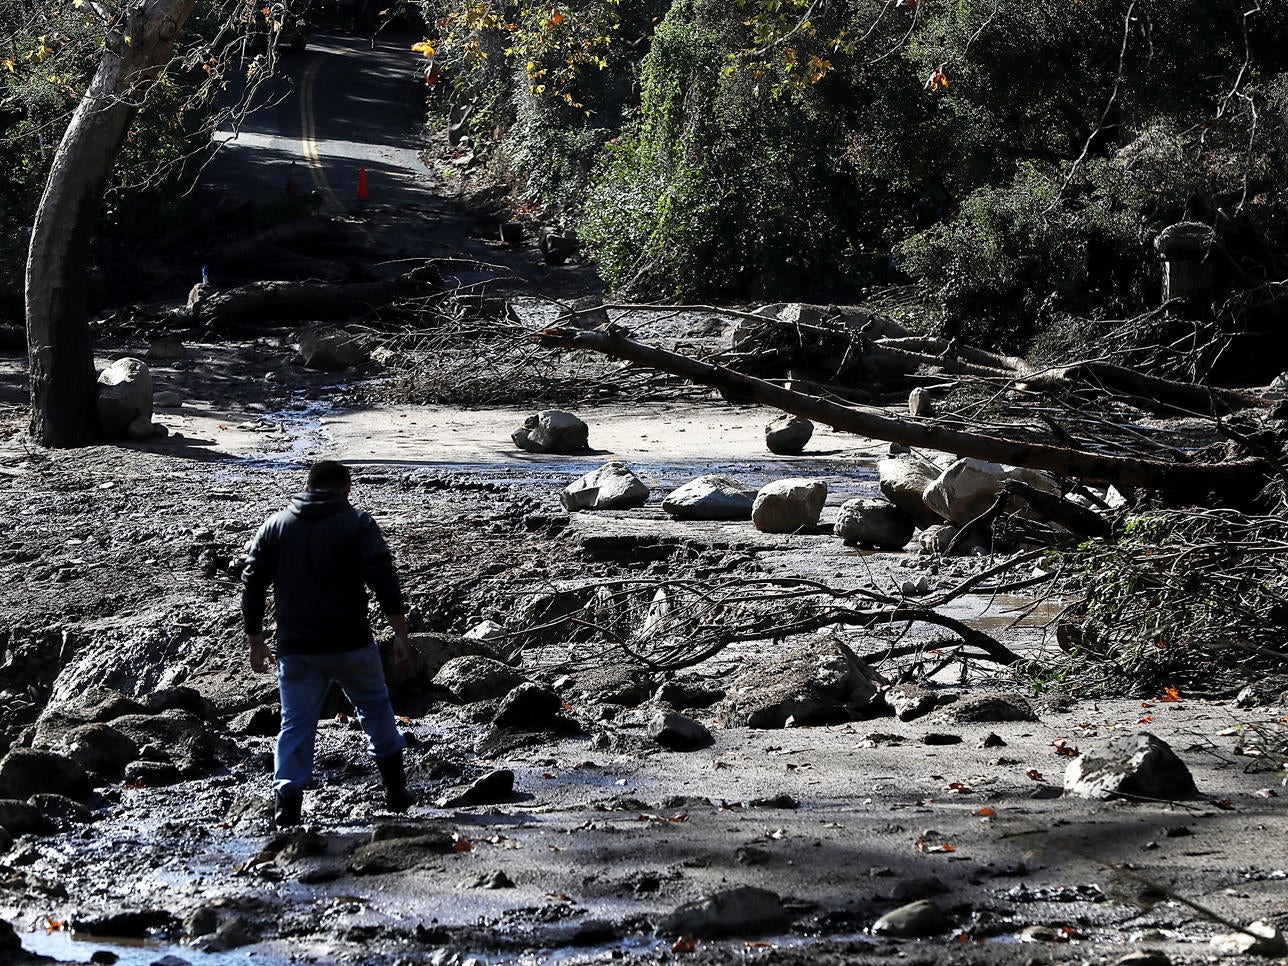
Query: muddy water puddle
75	947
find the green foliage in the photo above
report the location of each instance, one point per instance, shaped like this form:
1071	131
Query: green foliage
1016	158
718	189
46	60
1023	254
1182	596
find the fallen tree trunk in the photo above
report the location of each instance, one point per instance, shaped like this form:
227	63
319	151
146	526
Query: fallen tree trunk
1092	467
289	302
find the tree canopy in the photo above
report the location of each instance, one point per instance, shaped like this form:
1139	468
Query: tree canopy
1013	160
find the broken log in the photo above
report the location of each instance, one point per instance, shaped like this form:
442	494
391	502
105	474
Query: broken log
1092	467
289	302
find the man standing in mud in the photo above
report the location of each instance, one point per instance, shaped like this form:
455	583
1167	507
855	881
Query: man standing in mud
319	555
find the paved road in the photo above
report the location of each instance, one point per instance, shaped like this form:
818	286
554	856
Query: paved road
344	104
348	103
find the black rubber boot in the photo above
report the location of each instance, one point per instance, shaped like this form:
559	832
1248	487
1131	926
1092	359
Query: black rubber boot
397	798
286	809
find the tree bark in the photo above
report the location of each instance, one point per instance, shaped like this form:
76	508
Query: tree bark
63	383
1091	467
287	303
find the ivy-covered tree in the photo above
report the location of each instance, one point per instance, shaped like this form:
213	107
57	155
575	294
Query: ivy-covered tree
1014	160
99	107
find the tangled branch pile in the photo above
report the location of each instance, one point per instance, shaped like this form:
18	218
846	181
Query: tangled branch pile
1199	595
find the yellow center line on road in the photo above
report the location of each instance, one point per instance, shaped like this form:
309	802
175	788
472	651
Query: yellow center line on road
308	131
309	144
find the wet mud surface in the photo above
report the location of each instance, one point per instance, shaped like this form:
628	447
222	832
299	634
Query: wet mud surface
118	570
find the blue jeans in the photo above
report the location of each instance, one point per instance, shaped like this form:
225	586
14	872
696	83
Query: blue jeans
303	681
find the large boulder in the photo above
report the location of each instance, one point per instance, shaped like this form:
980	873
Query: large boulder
552	431
814	683
710	498
529	707
970	486
330	347
125	399
740	911
470	679
25	772
1133	766
94	705
190	743
678	732
903	480
789	506
787	435
611	487
99	748
873	523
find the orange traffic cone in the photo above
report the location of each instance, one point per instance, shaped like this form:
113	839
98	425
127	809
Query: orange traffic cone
362	184
292	186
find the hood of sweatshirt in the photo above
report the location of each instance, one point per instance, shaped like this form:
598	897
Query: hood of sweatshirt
315	506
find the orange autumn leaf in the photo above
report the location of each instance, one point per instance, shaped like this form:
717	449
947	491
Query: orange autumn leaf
461	844
1170	695
986	812
1062	747
1034	775
685	944
924	846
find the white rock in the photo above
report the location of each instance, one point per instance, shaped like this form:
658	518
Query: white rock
873	523
789	506
787	435
1267	941
903	481
611	487
485	631
710	498
552	431
124	396
1134	766
970	486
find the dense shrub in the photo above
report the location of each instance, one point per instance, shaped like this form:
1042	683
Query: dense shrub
1015	160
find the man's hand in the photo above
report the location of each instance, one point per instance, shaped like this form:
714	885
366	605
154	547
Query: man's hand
402	651
261	658
402	645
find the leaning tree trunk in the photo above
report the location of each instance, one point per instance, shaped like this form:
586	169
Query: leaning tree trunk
63	411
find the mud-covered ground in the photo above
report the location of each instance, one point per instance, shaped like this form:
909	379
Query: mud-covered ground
119	606
118	571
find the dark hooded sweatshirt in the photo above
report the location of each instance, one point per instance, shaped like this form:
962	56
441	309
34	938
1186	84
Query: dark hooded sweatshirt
317	555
